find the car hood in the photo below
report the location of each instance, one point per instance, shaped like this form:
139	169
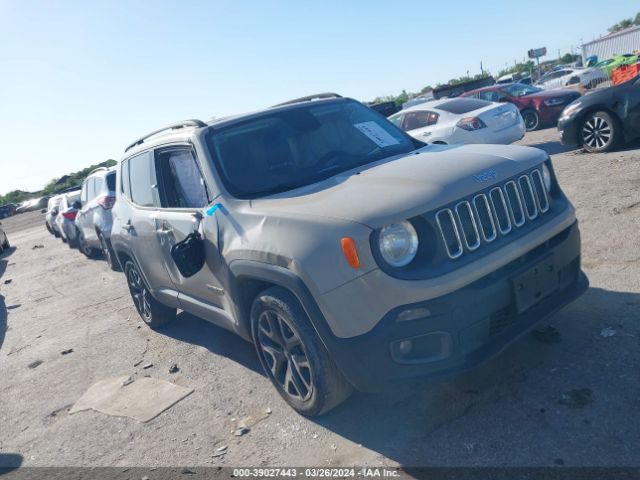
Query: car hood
545	94
402	187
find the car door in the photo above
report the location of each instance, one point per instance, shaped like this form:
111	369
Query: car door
183	198
138	224
631	120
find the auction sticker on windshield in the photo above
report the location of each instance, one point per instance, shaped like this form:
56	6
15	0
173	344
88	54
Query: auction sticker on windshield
376	134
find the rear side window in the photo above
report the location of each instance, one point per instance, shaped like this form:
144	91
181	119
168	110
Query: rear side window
111	181
83	194
419	119
124	174
181	183
460	106
142	180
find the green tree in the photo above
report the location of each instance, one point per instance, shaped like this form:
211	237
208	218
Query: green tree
636	21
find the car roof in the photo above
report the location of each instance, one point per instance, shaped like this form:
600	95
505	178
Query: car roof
182	131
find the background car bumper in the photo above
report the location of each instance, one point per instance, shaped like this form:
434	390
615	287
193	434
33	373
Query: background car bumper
463	328
568	133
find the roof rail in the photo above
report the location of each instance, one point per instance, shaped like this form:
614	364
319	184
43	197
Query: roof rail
99	169
308	98
173	126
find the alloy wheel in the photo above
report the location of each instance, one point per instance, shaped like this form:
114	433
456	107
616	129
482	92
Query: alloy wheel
139	293
596	132
530	121
284	355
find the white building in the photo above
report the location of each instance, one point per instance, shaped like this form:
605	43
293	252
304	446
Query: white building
625	41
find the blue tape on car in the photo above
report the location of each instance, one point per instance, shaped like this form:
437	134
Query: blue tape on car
213	209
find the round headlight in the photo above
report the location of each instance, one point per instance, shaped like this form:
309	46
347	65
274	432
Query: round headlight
398	243
546	177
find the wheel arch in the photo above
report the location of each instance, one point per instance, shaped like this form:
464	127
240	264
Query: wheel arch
592	109
249	278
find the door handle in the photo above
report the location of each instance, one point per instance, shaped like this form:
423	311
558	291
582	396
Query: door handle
127	226
164	229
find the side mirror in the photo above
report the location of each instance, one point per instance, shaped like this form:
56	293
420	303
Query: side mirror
77	205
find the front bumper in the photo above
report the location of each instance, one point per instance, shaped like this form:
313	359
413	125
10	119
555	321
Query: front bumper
568	132
465	327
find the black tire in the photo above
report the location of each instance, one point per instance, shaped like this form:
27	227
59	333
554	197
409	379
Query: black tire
531	119
6	245
56	234
293	356
152	312
46	224
108	253
84	248
600	132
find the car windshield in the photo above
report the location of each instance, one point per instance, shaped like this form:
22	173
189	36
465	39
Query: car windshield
520	90
293	147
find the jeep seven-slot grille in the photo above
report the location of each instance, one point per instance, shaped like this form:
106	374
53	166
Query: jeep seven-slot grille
485	217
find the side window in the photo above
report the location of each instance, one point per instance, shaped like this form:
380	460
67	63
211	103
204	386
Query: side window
124	174
97	187
488	95
142	180
419	119
180	181
397	120
83	194
91	191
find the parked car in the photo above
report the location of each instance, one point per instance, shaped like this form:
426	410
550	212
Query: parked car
93	221
538	107
609	65
568	77
603	119
4	241
427	97
7	210
462	120
385	108
53	207
350	253
65	219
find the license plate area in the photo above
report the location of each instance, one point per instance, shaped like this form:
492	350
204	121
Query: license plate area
535	284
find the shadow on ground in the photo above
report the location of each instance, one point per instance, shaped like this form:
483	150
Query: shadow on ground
482	417
191	329
9	461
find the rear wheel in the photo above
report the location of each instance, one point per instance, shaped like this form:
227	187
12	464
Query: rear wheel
84	248
108	253
6	245
293	356
531	120
154	313
600	132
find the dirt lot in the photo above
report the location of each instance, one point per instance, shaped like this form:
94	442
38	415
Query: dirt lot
515	410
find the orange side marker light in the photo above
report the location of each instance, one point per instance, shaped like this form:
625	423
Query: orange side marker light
350	252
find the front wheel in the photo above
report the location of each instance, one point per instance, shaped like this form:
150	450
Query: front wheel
600	132
154	313
531	120
293	356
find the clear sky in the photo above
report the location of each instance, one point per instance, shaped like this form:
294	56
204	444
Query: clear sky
81	79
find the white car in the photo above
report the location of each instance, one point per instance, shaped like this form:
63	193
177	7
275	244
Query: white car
568	77
65	220
461	121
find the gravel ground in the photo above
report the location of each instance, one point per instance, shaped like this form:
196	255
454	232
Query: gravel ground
515	410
